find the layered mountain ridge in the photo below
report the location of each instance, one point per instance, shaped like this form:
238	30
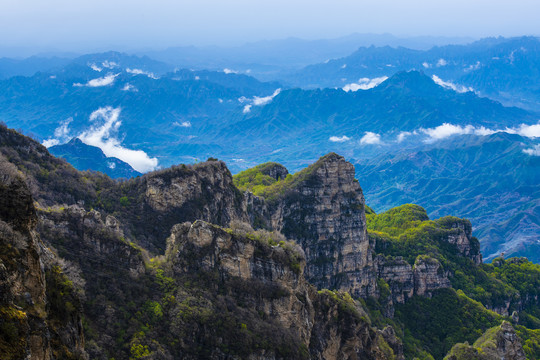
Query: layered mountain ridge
182	263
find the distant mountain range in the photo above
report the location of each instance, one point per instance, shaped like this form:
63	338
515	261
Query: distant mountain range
148	114
505	69
492	180
265	58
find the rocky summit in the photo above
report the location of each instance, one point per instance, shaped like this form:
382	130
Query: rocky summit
190	262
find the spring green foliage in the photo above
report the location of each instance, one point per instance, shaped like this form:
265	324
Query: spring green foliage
395	221
269	188
255	179
530	339
450	317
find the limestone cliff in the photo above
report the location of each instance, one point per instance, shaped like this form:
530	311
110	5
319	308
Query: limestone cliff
31	325
271	281
323	210
151	205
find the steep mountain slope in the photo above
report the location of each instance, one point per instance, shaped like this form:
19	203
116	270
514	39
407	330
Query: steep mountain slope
40	310
503	69
85	157
156	281
490	180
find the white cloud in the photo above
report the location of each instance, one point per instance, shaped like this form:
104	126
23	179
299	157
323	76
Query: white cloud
197	78
185	124
229	71
404	134
142	72
344	66
95	67
530	131
364	84
61	134
50	142
257	101
103	81
260	101
445	130
109	64
63	130
473	67
441	62
52	77
426	65
451	86
339	138
535	151
129	87
103	135
370	138
483	131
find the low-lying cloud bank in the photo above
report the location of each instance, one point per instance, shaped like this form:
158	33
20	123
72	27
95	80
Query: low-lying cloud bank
103	133
364	84
102	81
451	86
257	101
446	130
151	75
535	151
61	134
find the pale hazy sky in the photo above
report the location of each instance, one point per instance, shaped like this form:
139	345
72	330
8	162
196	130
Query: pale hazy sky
83	24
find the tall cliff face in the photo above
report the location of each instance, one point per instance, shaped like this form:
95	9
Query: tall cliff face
323	210
151	205
108	269
31	326
270	281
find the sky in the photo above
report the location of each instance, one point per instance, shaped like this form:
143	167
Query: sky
79	25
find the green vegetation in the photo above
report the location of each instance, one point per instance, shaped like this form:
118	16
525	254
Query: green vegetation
448	318
255	179
452	316
271	189
13	333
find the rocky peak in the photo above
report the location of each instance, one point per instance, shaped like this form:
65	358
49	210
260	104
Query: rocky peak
500	342
274	170
322	208
461	236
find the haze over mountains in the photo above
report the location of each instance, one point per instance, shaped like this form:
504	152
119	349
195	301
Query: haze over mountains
421	123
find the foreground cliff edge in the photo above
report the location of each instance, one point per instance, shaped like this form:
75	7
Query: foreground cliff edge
189	262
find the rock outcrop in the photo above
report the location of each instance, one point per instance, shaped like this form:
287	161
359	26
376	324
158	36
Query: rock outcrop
460	235
31	327
404	281
498	343
275	171
329	325
323	210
